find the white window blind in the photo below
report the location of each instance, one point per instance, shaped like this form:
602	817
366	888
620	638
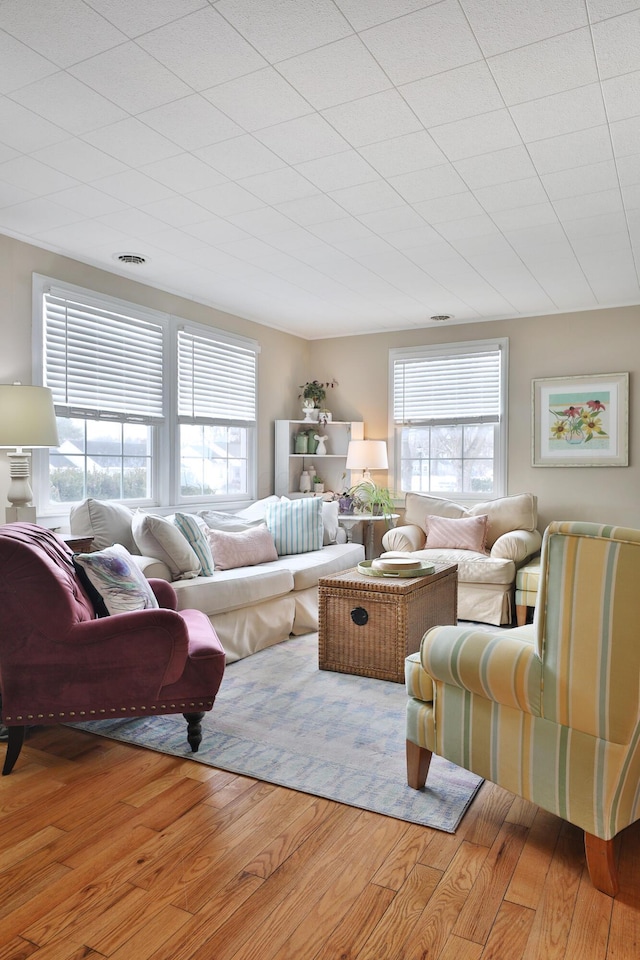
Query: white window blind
102	363
444	388
216	379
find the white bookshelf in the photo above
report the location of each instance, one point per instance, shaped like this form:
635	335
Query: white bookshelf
330	467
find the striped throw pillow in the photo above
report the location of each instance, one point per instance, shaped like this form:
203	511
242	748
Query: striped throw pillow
189	527
465	533
296	525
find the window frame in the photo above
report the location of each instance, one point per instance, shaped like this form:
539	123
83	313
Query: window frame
443	350
165	481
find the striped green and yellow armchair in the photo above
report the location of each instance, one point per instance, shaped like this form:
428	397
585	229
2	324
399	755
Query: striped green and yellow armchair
549	711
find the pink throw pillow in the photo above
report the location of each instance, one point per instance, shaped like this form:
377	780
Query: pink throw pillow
464	533
245	548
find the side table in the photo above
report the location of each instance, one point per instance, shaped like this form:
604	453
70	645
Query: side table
369	625
349	520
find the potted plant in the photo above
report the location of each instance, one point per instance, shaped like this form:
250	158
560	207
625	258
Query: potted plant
318	484
368	497
316	391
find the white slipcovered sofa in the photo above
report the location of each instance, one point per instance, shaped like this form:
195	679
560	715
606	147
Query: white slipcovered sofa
488	553
252	606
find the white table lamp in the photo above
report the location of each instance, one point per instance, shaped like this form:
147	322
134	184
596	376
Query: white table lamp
367	455
27	419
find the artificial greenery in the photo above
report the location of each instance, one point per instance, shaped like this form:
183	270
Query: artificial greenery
368	497
316	390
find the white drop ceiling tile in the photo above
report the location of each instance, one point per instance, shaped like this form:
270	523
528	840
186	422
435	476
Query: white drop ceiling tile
368	13
365	247
24	130
215	230
241	157
478	226
423	43
7	153
534	215
546	68
455	207
279	186
11	195
392	221
531	252
192	122
131	78
382	116
367	198
626	136
183	173
177	211
612	277
476	135
280	30
177	242
601	225
506	196
132	187
138	224
420	237
252	250
533	238
309	210
305	138
602	9
297	238
454	94
132	142
79	34
506	24
339	71
19	64
591	178
143	15
621	96
34	216
68	103
89	235
565	282
260	99
589	245
180	45
226	199
617	44
631	196
262	222
340	233
33	176
340	170
575	208
499	167
478	249
571	150
88	201
440	181
415	151
561	113
79	159
629	169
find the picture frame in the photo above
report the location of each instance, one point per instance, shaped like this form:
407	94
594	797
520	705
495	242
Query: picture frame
580	421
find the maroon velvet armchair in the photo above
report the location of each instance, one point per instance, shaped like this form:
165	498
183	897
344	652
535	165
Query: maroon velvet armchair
58	663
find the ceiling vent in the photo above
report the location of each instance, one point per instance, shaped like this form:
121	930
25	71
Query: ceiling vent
441	317
133	258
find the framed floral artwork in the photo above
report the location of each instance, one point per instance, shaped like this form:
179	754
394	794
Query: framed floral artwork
581	421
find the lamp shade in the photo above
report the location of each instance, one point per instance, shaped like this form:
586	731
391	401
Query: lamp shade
27	416
367	455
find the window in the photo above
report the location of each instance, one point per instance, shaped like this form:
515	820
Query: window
448	412
150	409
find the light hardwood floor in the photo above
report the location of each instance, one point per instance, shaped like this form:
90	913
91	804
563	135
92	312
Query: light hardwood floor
108	850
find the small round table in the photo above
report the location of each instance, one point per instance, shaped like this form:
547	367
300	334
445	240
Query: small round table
349	520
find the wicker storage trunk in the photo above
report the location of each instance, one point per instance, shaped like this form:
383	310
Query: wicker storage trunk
369	625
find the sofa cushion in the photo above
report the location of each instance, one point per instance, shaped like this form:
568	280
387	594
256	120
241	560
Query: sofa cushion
118	579
231	522
419	506
457	533
307	568
243	548
189	527
518	512
158	537
296	525
106	522
472	567
235	589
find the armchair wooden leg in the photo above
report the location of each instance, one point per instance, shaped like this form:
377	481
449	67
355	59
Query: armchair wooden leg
418	760
521	615
14	746
194	729
601	864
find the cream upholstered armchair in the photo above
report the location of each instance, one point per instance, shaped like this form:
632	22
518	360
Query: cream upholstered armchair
488	542
549	711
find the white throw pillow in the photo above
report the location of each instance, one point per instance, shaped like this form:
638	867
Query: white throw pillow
106	522
330	510
158	537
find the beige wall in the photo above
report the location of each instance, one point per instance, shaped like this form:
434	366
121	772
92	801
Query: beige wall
604	341
282	362
599	341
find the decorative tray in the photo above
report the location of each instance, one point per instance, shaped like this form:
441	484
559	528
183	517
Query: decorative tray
422	570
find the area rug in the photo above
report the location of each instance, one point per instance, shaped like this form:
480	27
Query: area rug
280	719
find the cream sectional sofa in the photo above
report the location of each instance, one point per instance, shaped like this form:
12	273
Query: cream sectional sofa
251	607
486	576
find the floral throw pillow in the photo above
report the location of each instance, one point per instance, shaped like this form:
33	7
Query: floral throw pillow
118	579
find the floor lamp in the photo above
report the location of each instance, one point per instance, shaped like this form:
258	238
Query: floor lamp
367	455
27	419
